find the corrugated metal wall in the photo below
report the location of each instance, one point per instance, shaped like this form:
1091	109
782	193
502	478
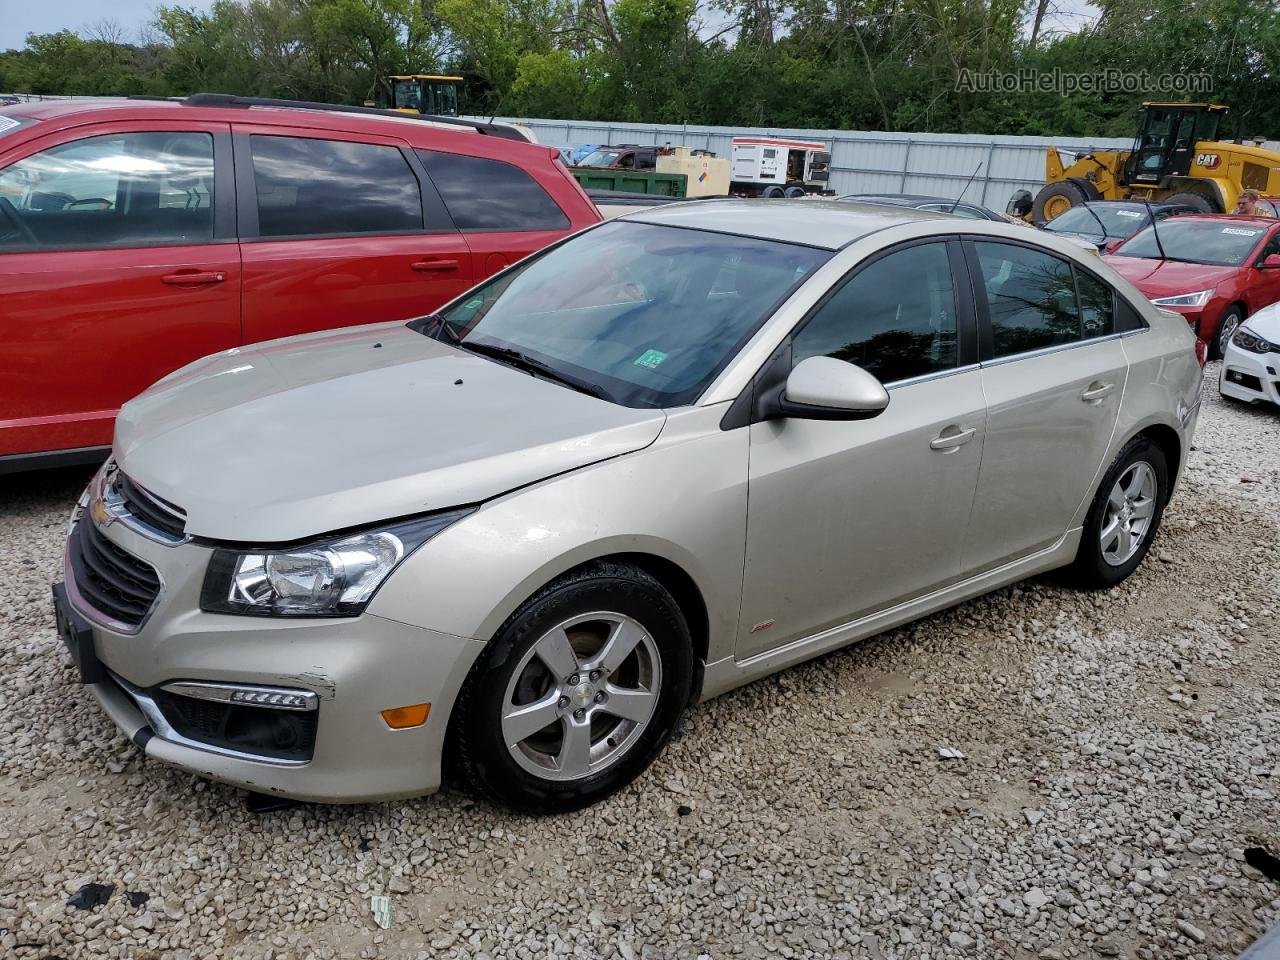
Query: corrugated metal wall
936	164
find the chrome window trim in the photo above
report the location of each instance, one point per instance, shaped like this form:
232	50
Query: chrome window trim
1058	348
932	375
164	731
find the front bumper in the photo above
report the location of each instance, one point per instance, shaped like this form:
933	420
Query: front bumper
355	667
1250	376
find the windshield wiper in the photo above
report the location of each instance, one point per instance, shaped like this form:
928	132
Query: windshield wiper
436	326
522	361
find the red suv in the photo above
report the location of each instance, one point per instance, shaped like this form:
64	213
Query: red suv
138	235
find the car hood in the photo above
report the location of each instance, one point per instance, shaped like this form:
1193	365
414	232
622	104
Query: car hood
293	438
1165	278
1266	323
1096	239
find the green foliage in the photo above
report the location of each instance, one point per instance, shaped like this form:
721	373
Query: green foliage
852	64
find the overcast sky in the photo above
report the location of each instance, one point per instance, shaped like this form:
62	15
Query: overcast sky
20	17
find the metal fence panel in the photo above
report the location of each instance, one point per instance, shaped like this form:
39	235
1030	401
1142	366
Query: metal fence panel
863	161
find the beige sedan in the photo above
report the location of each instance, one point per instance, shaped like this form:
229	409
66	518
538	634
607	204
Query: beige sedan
676	452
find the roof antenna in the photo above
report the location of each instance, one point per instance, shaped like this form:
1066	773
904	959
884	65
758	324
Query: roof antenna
1155	232
1094	212
966	188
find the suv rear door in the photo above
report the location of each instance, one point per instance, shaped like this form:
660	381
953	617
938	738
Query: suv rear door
339	229
118	264
503	211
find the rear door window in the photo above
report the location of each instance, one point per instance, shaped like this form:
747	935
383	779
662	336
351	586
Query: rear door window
116	190
1031	298
307	187
1097	306
490	195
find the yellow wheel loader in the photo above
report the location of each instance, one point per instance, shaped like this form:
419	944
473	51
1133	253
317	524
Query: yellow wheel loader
1176	157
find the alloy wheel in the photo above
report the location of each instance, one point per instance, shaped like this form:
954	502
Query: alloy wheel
1230	324
581	696
1130	508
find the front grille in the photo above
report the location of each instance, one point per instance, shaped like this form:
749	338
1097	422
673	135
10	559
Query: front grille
153	511
110	579
261	731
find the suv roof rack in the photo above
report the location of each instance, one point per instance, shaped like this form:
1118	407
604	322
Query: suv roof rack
231	100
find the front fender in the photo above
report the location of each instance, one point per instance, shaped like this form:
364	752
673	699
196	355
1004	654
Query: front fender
682	499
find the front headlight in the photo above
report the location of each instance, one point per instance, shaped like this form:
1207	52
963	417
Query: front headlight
1197	299
1246	340
334	577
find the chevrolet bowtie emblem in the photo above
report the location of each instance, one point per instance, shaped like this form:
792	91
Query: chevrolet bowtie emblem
101	516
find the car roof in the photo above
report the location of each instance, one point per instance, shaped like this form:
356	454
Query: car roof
1229	218
905	198
829	224
233	110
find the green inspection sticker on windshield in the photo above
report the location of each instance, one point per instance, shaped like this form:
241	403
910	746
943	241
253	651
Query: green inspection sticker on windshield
650	359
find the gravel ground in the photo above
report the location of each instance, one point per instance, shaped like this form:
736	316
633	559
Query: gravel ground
1119	756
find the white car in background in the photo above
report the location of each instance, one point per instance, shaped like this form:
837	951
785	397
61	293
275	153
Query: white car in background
1251	360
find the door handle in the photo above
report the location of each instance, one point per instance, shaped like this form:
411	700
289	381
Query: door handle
1096	391
193	278
952	438
431	266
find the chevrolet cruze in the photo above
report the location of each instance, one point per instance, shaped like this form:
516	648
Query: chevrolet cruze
664	457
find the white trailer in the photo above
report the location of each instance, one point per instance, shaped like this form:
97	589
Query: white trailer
770	167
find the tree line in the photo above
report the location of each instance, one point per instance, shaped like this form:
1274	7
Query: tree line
902	65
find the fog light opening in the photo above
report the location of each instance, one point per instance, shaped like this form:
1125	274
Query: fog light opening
405	718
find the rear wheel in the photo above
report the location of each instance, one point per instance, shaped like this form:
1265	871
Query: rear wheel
774	192
577	693
794	192
1055	199
1124	516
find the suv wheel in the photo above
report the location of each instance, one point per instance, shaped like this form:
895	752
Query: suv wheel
1124	516
577	693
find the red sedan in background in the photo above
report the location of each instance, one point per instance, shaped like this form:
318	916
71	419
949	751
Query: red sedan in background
139	235
1214	270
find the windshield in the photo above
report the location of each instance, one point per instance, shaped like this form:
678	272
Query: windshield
1196	241
642	315
408	95
600	158
1119	222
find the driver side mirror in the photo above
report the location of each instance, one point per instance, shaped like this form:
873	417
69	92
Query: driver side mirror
824	388
1270	262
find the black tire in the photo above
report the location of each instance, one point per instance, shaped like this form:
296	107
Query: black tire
1227	328
1087	189
1091	568
794	192
774	192
478	746
1051	195
1201	200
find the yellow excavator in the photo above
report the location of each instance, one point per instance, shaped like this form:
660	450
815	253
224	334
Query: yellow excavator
1176	157
425	93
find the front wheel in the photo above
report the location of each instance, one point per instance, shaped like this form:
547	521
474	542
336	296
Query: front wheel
1227	328
577	693
1124	516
